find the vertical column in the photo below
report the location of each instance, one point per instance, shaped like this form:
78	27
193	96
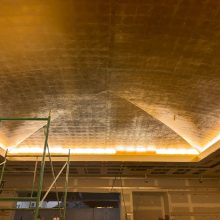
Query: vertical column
167	205
162	203
126	204
127	213
189	200
41	176
66	186
130	207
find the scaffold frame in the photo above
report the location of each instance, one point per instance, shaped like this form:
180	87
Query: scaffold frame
38	199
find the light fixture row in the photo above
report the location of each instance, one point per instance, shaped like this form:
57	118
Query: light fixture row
107	151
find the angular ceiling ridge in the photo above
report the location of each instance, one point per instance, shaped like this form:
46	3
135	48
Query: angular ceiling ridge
173	130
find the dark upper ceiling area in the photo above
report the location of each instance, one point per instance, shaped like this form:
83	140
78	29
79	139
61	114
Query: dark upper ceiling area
113	72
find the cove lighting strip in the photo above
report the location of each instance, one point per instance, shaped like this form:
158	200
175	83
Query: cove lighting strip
106	151
212	142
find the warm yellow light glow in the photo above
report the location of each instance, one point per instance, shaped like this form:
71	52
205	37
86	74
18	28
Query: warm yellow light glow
108	151
3	146
141	149
120	148
170	151
130	149
212	142
93	151
60	150
138	149
151	148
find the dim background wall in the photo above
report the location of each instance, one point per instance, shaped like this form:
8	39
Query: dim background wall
142	199
195	201
74	214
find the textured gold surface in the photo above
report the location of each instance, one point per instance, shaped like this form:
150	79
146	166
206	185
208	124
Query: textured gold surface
112	72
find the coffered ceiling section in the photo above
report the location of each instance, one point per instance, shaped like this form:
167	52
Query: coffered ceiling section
123	79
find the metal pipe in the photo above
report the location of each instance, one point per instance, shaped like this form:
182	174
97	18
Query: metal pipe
2	163
52	184
3	168
54	177
34	178
66	186
41	177
23	119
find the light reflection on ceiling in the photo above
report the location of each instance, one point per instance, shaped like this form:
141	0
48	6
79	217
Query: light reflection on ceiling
108	151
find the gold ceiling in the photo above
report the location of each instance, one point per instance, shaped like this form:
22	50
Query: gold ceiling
123	79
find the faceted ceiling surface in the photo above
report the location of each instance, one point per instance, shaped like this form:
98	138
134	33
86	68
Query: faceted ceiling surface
120	75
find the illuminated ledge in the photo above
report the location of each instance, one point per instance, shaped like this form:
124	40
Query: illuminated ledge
119	153
126	158
209	151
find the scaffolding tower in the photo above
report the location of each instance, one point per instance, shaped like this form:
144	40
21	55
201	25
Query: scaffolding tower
38	199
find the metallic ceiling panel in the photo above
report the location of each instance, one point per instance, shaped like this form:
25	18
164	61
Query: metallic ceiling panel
106	121
112	72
